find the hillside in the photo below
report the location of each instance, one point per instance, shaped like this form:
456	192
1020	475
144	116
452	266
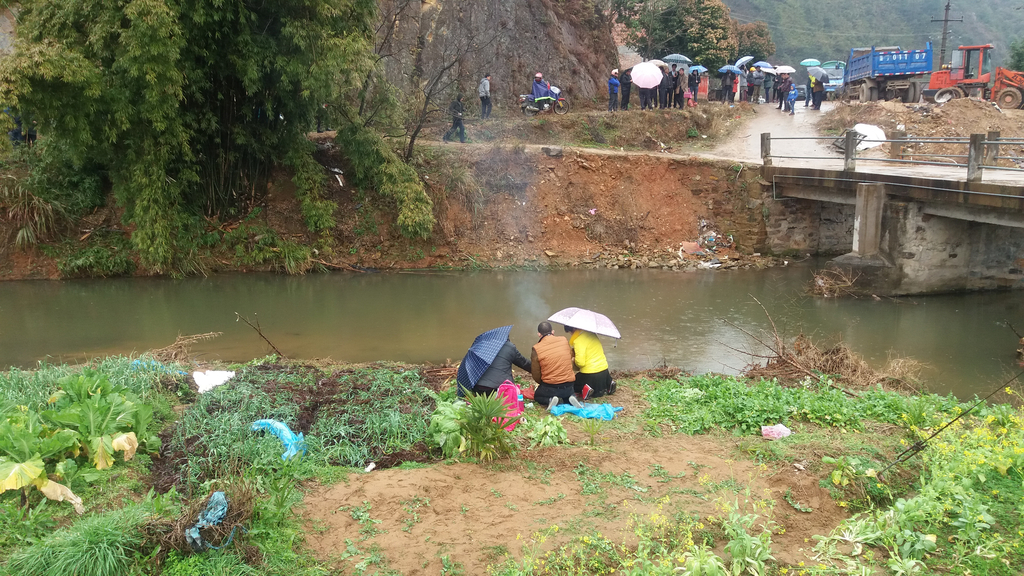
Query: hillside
827	29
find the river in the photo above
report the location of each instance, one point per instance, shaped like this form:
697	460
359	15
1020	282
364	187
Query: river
692	320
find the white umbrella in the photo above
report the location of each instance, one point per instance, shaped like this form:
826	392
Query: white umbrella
743	61
646	75
657	62
785	69
768	70
586	320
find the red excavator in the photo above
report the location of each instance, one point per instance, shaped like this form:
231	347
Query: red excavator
971	74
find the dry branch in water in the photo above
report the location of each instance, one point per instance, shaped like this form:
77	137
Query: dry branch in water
833	283
182	347
791	364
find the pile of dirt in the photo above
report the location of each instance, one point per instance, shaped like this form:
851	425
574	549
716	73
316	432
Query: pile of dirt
955	119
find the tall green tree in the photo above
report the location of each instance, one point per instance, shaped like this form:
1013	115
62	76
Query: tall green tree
754	39
1016	56
186	103
699	29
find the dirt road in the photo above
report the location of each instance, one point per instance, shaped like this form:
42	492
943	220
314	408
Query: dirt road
745	143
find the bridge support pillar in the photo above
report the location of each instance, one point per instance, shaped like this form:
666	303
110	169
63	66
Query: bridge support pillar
867	223
867	261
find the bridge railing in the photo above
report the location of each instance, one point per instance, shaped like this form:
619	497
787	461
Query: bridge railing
982	151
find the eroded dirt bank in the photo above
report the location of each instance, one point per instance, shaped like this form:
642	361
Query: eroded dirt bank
550	206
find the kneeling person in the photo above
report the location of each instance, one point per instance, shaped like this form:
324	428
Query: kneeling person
589	358
551	364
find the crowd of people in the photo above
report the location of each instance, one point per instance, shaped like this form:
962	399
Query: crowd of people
676	90
566	370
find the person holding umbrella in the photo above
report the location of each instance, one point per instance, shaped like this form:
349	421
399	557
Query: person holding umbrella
488	363
593	379
551	365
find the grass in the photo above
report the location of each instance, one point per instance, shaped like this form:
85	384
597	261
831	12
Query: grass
965	489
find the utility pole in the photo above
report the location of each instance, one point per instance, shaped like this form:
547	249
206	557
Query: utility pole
945	34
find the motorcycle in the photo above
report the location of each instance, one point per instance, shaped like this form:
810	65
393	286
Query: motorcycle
532	106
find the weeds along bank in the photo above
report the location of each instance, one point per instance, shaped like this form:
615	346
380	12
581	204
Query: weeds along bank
679	482
490	204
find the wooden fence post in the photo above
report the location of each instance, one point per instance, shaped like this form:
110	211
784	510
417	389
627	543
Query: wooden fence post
975	157
850	162
896	146
991	148
766	148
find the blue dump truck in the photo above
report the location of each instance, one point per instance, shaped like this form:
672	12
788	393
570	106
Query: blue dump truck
886	73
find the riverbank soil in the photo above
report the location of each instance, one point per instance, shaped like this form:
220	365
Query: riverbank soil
536	206
475	514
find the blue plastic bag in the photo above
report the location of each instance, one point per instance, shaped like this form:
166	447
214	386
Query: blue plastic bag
595	411
293	443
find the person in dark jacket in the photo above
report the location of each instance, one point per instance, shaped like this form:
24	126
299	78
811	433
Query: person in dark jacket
674	73
664	88
693	84
551	365
500	369
727	87
627	85
613	91
818	93
456	109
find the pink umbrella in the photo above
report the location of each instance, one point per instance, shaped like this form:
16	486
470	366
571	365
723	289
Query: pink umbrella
646	75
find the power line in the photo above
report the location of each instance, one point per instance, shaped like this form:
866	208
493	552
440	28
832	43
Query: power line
945	33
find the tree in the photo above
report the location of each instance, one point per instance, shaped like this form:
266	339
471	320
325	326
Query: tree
187	103
1017	56
755	40
699	29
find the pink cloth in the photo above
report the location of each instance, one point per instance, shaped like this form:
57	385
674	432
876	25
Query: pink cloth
511	395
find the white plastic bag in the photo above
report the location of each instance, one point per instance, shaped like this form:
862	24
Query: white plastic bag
775	432
210	379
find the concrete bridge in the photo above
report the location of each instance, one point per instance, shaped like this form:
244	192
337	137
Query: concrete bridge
920	226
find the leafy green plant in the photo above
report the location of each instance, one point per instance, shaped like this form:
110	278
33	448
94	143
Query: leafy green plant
844	469
749	553
33	218
546	431
444	430
593	427
701	561
104	255
483	425
26	443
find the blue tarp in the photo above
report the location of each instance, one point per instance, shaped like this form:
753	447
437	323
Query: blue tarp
596	411
293	443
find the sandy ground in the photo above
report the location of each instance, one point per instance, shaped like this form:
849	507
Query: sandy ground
474	513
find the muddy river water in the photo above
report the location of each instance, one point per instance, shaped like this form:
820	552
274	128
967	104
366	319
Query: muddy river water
693	320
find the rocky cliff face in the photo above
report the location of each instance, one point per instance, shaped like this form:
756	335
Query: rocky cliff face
569	41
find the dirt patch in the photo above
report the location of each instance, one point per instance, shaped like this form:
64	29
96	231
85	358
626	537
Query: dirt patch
955	119
474	513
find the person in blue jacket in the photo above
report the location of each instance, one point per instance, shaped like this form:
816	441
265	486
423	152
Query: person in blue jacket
613	91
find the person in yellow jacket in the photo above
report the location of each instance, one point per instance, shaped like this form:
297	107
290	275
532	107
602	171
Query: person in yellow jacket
589	359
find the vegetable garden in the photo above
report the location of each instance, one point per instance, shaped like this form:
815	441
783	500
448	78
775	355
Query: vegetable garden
103	467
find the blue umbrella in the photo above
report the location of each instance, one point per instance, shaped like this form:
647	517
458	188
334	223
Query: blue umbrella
480	356
761	64
730	68
676	59
700	69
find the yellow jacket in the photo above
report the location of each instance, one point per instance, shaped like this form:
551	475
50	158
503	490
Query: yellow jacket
589	352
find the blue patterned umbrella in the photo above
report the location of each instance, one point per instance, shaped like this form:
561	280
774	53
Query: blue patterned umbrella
479	357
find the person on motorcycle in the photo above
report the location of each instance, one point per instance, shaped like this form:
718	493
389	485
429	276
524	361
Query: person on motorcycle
541	88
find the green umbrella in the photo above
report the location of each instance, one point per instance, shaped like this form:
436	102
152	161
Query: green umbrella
810	62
